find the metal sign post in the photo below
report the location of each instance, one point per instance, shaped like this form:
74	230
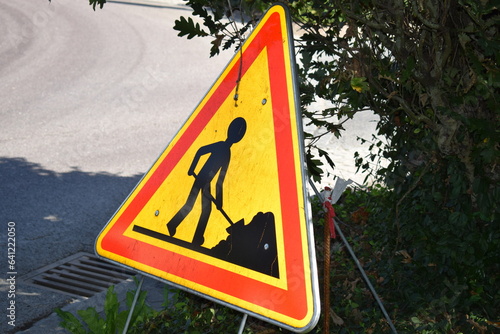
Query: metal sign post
132	307
242	324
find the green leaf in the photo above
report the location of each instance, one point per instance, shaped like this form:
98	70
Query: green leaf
409	69
216	45
359	84
93	3
327	157
416	320
189	28
313	167
93	320
111	306
70	322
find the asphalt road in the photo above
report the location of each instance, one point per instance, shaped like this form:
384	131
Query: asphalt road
88	100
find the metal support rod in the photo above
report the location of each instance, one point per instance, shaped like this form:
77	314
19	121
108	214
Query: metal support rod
243	322
136	296
326	280
365	278
360	268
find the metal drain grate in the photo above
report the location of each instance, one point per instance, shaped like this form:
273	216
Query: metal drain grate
80	275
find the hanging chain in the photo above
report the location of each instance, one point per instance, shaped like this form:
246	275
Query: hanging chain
241	39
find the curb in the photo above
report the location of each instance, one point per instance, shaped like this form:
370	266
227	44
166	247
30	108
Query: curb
50	324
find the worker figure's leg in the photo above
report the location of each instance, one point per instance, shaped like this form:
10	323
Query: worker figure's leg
206	209
184	210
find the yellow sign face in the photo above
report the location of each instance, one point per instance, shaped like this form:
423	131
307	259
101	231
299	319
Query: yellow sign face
222	212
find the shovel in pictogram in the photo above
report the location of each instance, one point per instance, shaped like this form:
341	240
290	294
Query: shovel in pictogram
221	210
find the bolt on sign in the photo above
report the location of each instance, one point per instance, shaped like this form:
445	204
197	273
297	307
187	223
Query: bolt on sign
223	212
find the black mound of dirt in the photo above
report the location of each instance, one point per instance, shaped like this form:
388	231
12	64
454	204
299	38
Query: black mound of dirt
252	246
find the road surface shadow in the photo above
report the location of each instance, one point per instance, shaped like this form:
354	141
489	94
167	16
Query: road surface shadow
55	215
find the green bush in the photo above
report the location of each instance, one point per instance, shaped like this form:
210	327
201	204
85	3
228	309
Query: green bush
112	321
182	313
420	296
188	314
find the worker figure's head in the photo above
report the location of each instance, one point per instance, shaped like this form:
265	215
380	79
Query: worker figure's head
236	130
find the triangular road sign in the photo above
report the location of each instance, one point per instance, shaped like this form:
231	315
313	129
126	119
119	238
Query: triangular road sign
223	212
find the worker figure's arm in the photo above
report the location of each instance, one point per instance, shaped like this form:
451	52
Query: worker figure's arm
201	151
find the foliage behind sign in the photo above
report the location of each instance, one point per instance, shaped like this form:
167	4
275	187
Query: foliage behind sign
430	70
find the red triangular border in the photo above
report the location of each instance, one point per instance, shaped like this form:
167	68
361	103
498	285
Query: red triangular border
291	302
